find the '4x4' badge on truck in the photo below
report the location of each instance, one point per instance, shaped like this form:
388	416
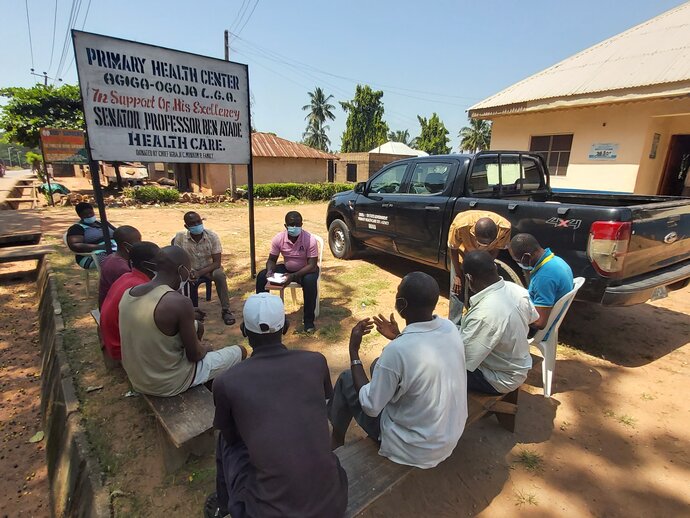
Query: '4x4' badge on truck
564	223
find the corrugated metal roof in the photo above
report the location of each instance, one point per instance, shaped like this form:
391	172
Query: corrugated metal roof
655	52
268	145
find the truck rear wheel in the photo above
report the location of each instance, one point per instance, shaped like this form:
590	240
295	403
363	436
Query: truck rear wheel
340	240
508	273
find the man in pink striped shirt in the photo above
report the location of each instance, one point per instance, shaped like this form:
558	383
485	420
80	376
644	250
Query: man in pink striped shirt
300	253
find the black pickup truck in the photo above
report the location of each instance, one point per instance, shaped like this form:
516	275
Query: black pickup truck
629	248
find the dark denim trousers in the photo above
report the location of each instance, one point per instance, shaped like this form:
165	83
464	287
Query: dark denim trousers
309	290
344	405
476	382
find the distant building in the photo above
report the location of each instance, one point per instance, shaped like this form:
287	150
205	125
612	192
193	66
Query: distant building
358	167
275	160
615	117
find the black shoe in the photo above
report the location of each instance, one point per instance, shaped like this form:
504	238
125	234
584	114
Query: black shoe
211	508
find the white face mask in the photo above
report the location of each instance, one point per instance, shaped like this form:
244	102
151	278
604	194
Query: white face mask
183	283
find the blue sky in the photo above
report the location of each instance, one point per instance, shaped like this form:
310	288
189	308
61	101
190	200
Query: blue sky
433	56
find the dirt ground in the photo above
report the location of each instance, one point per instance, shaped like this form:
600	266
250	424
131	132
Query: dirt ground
612	441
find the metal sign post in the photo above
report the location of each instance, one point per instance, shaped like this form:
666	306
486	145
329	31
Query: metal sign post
94	169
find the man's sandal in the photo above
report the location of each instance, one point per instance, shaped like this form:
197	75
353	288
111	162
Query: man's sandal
228	317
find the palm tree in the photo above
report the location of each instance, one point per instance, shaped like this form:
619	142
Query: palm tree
319	110
476	136
316	137
400	136
319	107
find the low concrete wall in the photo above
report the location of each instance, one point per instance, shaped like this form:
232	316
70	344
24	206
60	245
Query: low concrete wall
73	472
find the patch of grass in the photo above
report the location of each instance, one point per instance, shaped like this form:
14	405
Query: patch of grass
627	420
647	397
531	460
522	498
368	301
330	332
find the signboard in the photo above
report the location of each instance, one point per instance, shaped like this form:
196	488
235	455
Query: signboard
150	104
605	151
63	146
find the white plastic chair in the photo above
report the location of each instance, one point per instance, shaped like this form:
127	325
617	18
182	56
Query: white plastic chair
294	285
546	339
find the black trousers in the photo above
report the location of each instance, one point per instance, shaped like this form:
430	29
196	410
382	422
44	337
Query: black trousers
309	290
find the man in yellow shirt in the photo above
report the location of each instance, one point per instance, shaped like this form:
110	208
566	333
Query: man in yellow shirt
472	230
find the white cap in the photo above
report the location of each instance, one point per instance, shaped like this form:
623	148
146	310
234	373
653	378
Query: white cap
263	308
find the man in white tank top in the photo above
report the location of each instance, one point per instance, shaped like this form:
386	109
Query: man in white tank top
161	349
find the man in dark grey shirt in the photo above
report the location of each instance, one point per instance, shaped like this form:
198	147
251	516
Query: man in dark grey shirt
274	455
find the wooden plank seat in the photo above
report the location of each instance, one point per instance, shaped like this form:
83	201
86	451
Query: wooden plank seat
185	425
11	254
370	475
108	362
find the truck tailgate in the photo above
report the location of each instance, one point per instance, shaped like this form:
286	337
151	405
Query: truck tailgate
660	236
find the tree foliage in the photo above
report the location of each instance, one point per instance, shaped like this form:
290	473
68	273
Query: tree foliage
30	109
433	137
365	128
476	136
402	136
320	110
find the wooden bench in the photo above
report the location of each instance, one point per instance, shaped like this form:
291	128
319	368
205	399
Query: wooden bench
12	254
370	475
185	425
110	363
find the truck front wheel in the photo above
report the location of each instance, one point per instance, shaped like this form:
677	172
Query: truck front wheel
340	240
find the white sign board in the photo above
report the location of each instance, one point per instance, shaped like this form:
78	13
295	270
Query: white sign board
604	151
150	104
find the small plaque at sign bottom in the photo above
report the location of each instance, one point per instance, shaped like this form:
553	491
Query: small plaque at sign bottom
659	293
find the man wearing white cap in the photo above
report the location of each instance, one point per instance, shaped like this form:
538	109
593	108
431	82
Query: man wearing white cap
273	456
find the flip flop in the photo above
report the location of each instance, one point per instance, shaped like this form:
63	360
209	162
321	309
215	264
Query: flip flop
228	317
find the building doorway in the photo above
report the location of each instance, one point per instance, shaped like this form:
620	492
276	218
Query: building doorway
351	172
183	177
675	180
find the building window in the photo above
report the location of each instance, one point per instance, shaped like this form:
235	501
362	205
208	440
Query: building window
351	172
556	151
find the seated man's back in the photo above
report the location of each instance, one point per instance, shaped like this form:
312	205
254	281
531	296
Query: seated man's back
275	403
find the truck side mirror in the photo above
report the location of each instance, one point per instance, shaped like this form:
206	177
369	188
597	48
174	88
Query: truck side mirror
360	187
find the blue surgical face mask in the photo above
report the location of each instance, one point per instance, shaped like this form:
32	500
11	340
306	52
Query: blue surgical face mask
196	229
89	221
294	231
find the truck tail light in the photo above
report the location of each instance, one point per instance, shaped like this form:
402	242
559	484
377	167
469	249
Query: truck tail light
608	246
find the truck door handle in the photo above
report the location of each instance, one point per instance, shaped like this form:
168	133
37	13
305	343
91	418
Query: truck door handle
432	207
473	203
512	206
386	205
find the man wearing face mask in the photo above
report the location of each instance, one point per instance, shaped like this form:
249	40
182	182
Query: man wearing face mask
86	236
416	402
550	277
161	342
117	264
494	329
273	457
204	247
472	230
301	253
141	256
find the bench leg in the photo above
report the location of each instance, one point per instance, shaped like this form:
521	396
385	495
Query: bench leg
174	458
507	420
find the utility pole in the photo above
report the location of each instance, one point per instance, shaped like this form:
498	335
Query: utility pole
45	77
9	154
233	179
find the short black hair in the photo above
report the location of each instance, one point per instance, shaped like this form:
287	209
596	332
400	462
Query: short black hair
81	207
486	228
292	214
420	290
142	252
524	244
189	214
480	265
125	233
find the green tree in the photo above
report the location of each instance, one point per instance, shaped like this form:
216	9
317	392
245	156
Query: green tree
320	110
476	136
365	128
315	136
400	136
30	109
433	137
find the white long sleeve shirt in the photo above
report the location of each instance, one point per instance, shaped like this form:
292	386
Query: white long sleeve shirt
494	332
419	386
